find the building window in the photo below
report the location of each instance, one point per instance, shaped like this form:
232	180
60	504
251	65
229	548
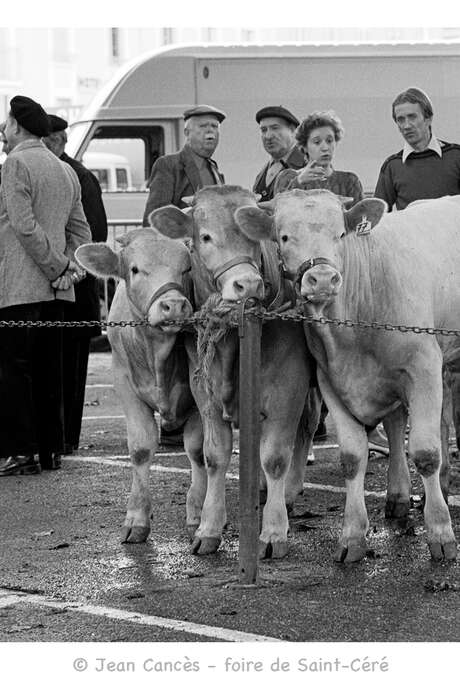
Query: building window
61	45
168	36
115	40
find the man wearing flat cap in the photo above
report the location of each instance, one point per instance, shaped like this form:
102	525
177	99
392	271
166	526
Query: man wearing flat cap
41	224
181	174
86	306
277	129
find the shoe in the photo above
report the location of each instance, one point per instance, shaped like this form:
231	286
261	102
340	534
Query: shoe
19	464
320	433
172	438
50	461
378	441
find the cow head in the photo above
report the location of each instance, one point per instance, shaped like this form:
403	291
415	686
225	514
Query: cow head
152	267
308	226
230	256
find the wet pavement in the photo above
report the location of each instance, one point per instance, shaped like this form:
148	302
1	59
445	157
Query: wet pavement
60	543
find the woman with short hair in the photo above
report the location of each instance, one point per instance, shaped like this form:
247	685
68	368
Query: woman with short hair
317	136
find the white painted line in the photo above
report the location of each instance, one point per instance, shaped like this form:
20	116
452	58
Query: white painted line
99	385
225	634
124	461
105	416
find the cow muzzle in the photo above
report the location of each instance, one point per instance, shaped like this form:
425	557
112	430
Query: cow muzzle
170	307
318	280
239	279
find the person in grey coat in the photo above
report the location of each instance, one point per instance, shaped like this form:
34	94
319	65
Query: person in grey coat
41	224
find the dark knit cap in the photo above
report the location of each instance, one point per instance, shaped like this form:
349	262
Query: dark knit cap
30	115
277	111
56	123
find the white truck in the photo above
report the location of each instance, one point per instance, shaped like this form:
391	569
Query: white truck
138	114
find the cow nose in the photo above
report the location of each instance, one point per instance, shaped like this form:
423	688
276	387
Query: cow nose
248	286
174	307
321	279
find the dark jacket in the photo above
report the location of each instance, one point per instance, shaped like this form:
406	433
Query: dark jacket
87	306
172	177
295	161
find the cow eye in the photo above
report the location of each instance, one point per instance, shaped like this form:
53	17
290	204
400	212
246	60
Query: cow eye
284	238
134	270
205	237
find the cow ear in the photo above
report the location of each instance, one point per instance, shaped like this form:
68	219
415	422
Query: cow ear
99	259
172	222
255	223
365	215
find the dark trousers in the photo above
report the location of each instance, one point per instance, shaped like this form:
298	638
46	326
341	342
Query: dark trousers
76	353
31	381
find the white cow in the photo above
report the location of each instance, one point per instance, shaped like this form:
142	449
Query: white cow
149	365
405	271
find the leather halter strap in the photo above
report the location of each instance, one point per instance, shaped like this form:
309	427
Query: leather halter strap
311	263
236	261
161	291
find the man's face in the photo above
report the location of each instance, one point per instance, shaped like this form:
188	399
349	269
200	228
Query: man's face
413	125
202	134
56	142
3	141
11	133
277	136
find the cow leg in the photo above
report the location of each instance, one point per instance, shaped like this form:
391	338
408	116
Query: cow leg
398	488
142	445
193	445
352	439
446	420
425	406
455	389
217	453
305	432
276	445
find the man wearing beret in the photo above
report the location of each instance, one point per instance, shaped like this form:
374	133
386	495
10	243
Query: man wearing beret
277	129
41	224
181	174
86	306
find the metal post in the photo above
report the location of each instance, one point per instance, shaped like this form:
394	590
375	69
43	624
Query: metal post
249	416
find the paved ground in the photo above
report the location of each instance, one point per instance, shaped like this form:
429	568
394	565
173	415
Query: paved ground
65	576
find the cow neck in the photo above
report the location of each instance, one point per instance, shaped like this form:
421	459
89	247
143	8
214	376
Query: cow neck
354	301
279	291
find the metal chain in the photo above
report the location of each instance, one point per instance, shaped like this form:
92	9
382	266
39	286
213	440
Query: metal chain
232	316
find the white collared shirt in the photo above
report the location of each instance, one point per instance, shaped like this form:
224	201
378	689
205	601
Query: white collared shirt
276	166
434	145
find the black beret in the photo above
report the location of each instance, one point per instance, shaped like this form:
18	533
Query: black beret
277	111
204	110
57	124
30	115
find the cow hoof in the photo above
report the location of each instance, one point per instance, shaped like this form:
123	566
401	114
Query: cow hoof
273	549
351	553
396	508
262	496
202	546
134	534
440	552
289	508
191	529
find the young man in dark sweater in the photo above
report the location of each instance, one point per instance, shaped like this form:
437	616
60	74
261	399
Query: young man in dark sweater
426	168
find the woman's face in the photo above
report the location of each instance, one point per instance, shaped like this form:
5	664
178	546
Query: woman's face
321	145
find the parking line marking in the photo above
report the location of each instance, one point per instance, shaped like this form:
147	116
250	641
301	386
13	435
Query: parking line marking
124	461
225	634
99	385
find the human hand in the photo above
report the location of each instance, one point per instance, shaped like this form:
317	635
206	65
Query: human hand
312	172
73	274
